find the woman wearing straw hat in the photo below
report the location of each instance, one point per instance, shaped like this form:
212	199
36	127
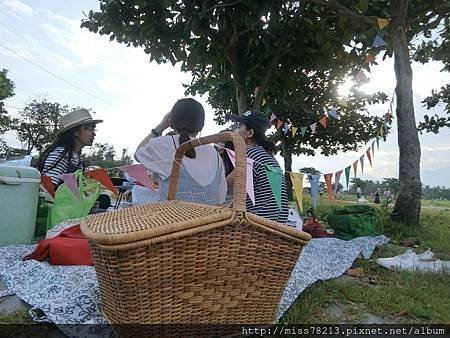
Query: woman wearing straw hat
63	155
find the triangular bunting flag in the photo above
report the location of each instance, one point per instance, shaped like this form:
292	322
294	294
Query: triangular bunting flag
378	42
297	182
101	176
329	185
369	157
263	102
273	117
286	128
369	58
294	131
382	23
378	143
337	178
275	175
361	77
279	124
333	113
314	182
347	175
355	167
342	102
256	91
303	130
323	121
373	149
249	183
268	110
381	32
361	159
382	131
139	173
46	181
313	127
71	182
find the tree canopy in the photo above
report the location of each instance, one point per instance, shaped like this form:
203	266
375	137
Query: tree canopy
104	155
235	45
38	123
6	91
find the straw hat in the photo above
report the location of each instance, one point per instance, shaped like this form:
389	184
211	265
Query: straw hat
76	118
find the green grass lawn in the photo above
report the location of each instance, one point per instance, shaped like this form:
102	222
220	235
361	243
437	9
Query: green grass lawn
436	203
397	296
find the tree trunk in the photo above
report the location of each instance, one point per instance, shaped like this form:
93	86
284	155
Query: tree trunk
241	97
287	156
235	59
407	206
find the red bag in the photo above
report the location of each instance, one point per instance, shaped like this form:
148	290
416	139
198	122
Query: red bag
69	247
314	228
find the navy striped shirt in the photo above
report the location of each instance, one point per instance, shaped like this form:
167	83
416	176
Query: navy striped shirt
57	163
265	204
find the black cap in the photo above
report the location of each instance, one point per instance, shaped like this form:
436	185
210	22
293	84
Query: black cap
253	120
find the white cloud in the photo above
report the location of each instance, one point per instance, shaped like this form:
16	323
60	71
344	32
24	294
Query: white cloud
19	8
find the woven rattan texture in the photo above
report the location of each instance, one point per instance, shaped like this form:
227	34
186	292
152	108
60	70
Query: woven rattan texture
136	219
232	274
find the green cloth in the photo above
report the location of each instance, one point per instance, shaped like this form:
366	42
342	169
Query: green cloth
347	175
355	221
275	177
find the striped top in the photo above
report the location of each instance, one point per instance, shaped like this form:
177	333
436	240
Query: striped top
265	204
57	163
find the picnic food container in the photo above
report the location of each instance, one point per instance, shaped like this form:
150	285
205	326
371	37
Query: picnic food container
176	262
19	191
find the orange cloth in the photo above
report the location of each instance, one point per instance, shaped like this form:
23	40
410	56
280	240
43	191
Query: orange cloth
46	181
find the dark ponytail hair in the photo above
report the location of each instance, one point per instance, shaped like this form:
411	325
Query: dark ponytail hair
261	140
187	117
66	140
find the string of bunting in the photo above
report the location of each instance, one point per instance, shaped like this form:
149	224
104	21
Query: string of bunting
297	178
333	113
274	174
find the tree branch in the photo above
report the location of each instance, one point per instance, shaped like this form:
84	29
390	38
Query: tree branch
220	5
274	60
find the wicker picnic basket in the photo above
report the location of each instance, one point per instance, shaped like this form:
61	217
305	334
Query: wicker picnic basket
177	262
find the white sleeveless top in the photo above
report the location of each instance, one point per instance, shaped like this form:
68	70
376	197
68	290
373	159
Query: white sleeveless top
157	157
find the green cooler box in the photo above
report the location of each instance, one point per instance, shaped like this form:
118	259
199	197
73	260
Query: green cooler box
19	191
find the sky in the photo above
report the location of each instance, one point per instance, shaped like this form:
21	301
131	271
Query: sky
132	95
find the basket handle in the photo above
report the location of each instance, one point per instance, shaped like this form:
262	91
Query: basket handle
240	191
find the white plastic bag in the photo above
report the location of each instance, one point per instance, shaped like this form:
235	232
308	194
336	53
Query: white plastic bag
23	162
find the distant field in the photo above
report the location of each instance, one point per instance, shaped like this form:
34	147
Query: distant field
436	203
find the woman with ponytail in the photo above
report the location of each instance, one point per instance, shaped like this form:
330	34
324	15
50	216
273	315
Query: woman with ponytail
252	127
202	176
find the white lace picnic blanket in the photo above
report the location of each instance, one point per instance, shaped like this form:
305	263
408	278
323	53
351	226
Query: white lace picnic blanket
70	294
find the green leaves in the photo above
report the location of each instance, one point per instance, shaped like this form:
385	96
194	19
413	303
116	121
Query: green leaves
6	86
363	5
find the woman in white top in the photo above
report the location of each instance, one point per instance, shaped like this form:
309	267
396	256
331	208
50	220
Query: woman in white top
202	177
